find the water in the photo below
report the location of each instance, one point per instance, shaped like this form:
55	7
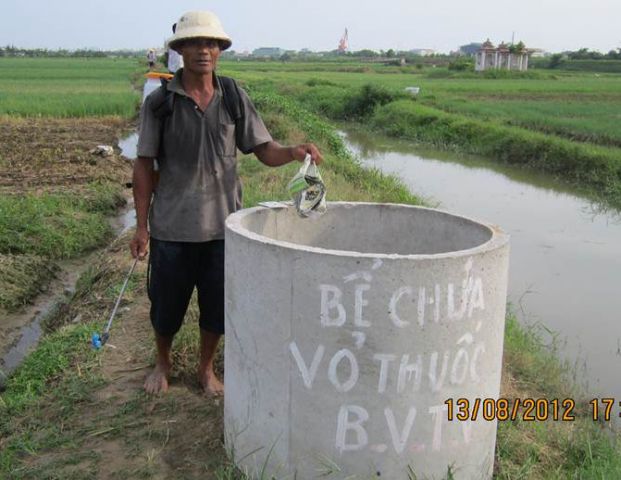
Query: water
565	269
25	326
29	335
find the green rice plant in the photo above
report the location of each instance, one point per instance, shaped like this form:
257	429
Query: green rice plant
589	119
61	87
577	107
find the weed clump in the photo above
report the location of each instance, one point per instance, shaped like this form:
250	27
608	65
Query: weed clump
363	103
315	82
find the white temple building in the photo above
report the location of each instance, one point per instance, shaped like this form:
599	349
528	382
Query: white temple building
503	57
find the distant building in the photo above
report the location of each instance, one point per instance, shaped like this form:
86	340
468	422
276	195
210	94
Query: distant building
471	49
423	52
267	52
538	52
503	57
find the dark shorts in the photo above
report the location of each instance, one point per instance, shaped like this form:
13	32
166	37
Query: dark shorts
175	268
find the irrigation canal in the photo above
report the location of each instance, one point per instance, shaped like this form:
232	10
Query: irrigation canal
565	268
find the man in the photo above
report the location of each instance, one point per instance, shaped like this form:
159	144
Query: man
198	188
151	58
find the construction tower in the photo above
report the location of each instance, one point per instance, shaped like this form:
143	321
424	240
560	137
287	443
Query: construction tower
343	46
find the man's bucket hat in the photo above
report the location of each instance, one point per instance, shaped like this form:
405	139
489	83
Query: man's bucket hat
199	24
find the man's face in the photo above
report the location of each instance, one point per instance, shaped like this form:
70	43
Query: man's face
200	55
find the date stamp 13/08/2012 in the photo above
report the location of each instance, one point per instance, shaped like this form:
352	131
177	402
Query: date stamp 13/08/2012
529	409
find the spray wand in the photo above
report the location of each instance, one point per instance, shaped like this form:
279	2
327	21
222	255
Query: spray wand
99	341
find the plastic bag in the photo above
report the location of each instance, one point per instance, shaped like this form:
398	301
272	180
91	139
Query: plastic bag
308	190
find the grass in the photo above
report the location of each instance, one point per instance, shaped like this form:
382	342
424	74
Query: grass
582	449
57	225
52	373
58	421
67	87
21	278
55	196
586	119
344	178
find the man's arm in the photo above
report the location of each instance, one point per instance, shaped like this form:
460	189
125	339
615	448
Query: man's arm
273	154
143	189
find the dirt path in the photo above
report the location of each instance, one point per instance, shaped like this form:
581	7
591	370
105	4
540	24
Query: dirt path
114	430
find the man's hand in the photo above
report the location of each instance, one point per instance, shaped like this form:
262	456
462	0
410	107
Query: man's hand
273	154
140	243
298	152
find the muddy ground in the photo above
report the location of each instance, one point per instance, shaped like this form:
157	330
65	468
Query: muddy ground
109	428
39	156
47	154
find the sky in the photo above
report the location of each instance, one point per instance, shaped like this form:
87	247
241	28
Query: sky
442	25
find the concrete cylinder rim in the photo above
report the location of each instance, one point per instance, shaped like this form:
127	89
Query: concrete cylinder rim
498	238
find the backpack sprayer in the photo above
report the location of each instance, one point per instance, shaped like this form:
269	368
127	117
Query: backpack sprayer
99	341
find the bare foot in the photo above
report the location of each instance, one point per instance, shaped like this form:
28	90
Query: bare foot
157	380
210	383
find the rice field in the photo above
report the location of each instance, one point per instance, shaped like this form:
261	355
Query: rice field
59	87
578	106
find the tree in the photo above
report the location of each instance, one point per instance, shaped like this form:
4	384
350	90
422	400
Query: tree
555	60
365	53
585	54
461	64
517	48
614	54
